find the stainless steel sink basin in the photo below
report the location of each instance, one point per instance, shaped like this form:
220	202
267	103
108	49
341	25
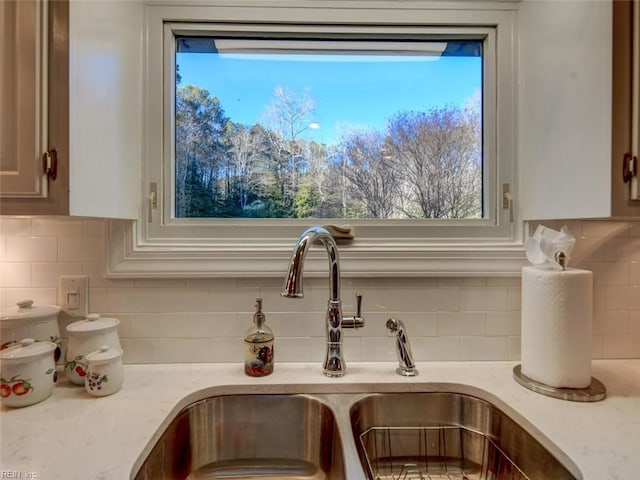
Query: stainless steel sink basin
248	436
435	431
446	435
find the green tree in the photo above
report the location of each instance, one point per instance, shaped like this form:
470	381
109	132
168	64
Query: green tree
307	201
200	149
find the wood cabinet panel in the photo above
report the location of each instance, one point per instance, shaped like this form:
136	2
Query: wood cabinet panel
625	100
34	102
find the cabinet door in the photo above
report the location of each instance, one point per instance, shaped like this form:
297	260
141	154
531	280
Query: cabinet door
626	105
565	109
34	99
22	98
105	108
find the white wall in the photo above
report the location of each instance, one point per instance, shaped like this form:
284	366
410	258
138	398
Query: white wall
201	320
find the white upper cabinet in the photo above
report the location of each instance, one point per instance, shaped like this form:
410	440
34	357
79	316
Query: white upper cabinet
565	109
105	108
577	114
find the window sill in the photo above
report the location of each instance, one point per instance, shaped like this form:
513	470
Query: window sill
128	258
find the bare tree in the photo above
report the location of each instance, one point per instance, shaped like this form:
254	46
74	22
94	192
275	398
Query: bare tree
372	171
246	150
287	117
441	154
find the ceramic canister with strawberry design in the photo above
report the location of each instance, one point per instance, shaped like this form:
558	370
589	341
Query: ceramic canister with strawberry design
86	336
28	373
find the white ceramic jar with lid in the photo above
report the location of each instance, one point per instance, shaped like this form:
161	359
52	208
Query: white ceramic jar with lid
27	320
28	373
105	371
86	336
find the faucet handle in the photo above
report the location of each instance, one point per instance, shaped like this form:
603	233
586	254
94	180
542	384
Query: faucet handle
356	321
358	305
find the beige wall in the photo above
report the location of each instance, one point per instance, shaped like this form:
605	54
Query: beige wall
200	320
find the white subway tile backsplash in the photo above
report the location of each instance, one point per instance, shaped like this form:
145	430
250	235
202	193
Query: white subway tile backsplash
515	344
423	324
32	249
622	297
622	249
132	300
212	325
92	227
503	323
85	249
15	275
204	320
97	299
185	300
634	272
140	350
127	327
227	350
610	322
353	349
60	227
379	349
238	299
46	274
292	349
622	346
514	297
590	249
634	229
484	348
18	227
461	323
435	348
294	324
429	299
160	325
597	346
40	296
609	273
634	322
605	228
484	298
184	350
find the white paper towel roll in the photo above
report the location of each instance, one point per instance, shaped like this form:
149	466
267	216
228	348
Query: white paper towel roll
557	311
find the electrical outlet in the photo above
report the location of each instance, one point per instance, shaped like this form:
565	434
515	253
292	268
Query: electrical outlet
73	295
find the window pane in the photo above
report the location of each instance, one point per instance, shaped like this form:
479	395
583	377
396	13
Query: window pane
340	128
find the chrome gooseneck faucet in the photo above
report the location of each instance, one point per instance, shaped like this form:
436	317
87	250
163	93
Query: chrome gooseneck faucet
334	365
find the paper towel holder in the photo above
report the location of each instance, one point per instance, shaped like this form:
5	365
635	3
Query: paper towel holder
593	393
561	259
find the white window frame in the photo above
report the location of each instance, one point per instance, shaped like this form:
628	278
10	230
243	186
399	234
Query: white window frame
157	244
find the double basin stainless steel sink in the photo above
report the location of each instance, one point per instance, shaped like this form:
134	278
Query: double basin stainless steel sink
442	432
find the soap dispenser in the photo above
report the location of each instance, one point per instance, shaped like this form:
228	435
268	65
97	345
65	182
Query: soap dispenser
258	346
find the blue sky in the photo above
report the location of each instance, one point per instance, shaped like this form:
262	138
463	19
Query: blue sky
349	90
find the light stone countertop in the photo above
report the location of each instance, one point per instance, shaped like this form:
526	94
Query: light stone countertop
73	436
